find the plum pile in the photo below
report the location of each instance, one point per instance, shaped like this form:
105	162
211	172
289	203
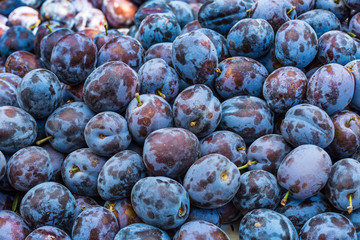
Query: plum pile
166	119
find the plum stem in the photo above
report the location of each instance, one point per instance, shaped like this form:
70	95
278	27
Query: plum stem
102	136
111	207
75	169
225	175
218	70
41	141
291	9
249	163
193	123
15	202
137	96
36	24
240	149
106	29
351	34
284	200
350	207
350	68
48	27
347	124
160	94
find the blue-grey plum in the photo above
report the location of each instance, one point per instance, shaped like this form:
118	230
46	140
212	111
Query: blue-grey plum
268	151
140	231
343	188
276	12
258	189
58	10
22	62
95	223
150	7
331	88
160	50
329	225
248	116
111	87
170	151
48	232
251	38
80	171
336	47
337	7
219	42
240	76
107	133
221	15
161	202
208	215
147	113
212	181
285	87
266	224
18	129
321	21
119	174
157	28
122	48
16	38
65	126
73	58
226	143
39	93
48	204
296	44
12	226
354	67
29	167
157	77
307	124
347	134
194	57
197	110
304	171
48	42
182	11
199	229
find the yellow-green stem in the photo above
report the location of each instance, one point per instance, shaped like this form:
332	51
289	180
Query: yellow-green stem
41	141
249	163
284	200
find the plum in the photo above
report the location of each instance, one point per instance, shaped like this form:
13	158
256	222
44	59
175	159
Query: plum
111	87
170	151
107	133
147	113
18	129
285	87
226	143
307	124
248	116
161	202
304	171
331	88
197	110
212	181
